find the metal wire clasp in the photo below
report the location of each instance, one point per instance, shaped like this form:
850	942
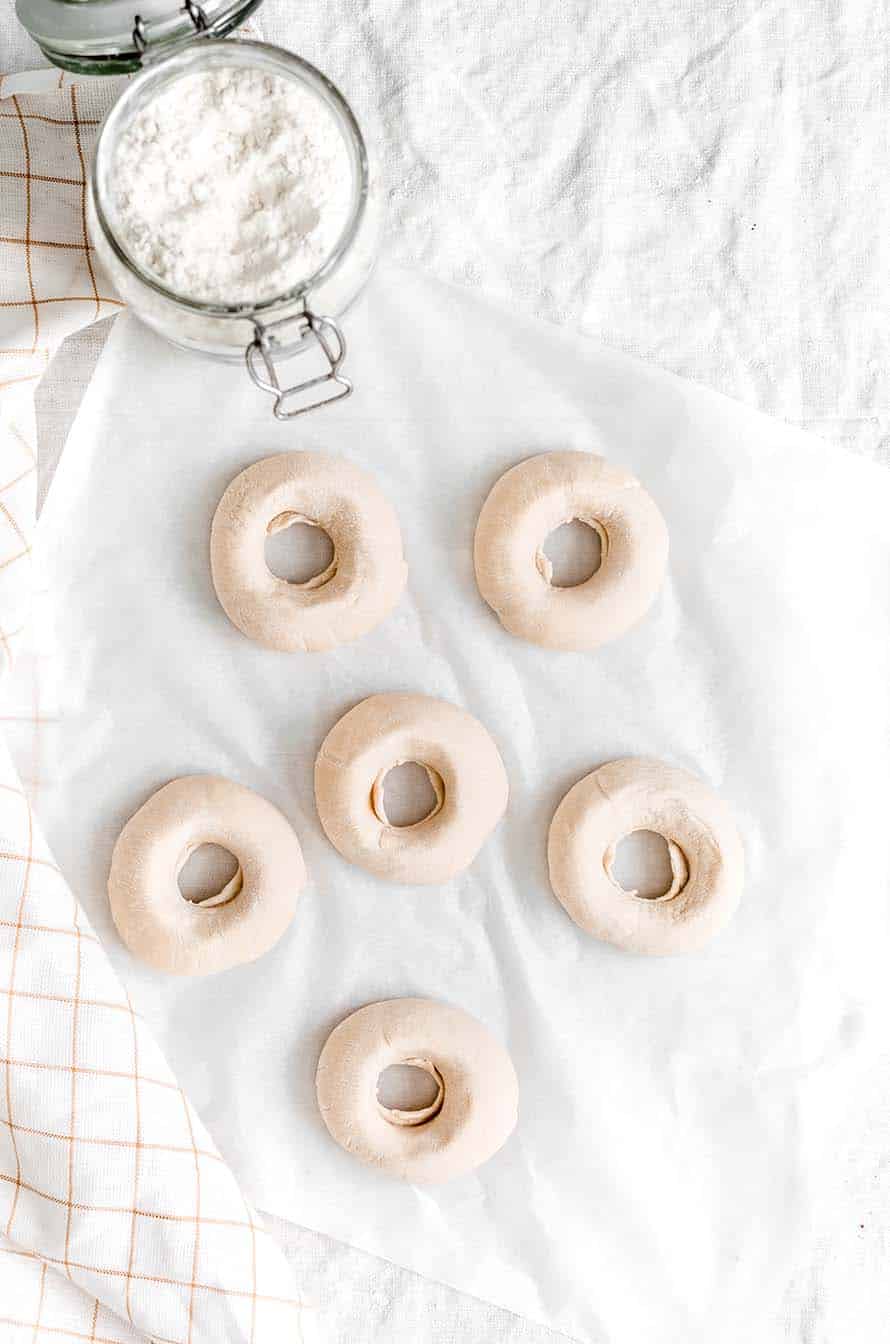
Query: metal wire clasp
191	8
268	343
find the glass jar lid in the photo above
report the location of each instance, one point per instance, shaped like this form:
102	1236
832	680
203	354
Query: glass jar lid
99	37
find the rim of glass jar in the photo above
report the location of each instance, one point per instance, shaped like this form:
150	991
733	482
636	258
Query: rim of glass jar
168	68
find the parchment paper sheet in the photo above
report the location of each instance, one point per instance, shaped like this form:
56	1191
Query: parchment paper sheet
674	1157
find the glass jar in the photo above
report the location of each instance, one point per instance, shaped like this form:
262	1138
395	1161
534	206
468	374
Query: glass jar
261	334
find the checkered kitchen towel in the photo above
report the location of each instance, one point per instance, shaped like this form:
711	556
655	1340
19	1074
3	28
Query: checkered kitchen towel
118	1218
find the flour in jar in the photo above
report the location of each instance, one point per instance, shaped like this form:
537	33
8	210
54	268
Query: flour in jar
232	185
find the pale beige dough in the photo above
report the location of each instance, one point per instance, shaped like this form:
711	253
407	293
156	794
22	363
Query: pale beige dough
707	857
464	767
473	1115
364	580
529	502
246	919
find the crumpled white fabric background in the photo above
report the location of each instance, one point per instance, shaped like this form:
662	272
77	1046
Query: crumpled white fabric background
702	185
677	1116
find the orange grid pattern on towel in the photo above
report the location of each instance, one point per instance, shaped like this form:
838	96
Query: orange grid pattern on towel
118	1218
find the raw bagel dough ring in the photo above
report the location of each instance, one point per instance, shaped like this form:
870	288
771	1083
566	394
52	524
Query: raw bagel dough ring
363	582
247	917
513	573
473	1115
706	853
464	768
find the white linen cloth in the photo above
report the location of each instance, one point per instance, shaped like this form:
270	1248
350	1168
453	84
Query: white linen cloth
677	1116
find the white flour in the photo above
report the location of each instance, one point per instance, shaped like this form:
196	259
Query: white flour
233	185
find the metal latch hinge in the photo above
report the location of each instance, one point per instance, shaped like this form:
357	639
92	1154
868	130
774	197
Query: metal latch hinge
194	11
272	341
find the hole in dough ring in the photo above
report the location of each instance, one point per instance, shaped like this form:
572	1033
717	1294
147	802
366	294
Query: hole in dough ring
363	582
152	916
463	765
707	856
479	1104
529	502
